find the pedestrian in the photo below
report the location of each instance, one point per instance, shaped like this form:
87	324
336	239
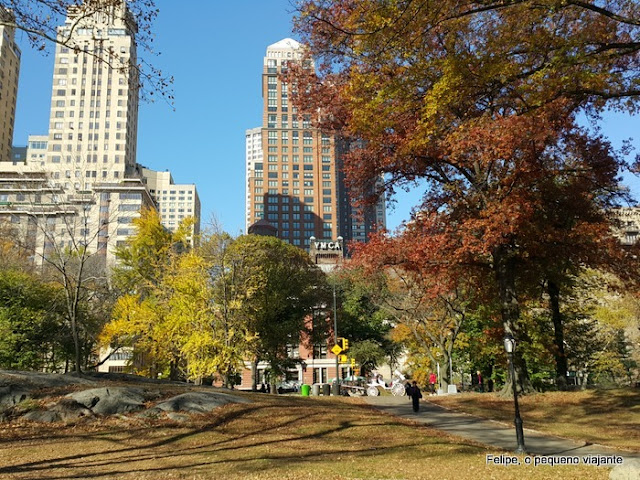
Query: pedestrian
433	379
407	388
480	384
416	395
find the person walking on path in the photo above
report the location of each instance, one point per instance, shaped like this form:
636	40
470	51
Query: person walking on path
416	395
432	382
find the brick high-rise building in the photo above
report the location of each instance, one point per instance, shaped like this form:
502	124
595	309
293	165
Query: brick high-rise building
294	179
294	186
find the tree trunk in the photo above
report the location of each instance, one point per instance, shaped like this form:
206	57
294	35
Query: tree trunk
173	370
76	343
505	271
558	326
254	374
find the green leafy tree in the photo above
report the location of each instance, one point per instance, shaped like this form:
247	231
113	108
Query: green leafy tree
230	324
278	289
32	328
368	354
360	318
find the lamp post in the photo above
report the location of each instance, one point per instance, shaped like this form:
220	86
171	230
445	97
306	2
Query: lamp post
336	387
510	346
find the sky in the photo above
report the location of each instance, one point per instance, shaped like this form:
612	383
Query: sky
214	49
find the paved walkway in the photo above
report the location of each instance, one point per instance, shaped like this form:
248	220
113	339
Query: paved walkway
489	432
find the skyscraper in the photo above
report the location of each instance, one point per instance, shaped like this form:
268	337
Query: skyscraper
94	103
80	187
294	187
9	72
294	179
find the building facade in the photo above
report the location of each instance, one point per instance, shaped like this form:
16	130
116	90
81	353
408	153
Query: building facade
94	101
174	202
81	184
253	156
294	186
294	177
9	73
628	220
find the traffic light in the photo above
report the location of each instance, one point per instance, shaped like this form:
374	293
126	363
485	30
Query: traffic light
345	344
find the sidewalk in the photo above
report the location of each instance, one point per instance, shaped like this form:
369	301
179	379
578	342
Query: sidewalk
489	432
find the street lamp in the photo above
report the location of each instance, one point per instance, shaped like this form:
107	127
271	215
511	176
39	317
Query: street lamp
336	385
510	346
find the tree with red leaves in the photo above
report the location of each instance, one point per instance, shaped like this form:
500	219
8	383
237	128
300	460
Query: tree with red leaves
478	100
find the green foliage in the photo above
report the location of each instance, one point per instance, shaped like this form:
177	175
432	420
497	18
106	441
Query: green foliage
368	354
277	289
32	331
203	312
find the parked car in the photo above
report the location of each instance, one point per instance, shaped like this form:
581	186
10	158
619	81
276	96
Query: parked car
288	387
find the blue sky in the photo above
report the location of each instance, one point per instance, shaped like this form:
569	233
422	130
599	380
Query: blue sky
214	49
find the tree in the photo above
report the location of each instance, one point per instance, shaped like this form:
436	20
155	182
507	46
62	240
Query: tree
478	100
361	319
142	315
179	308
431	310
277	290
231	326
41	21
368	354
32	330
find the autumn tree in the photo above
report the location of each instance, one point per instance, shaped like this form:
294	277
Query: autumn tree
478	100
141	317
429	310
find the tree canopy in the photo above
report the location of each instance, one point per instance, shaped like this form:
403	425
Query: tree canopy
479	101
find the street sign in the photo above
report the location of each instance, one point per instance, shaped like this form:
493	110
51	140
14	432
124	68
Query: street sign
336	350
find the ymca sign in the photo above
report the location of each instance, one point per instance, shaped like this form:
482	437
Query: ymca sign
328	245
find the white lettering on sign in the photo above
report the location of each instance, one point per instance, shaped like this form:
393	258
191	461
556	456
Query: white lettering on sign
328	245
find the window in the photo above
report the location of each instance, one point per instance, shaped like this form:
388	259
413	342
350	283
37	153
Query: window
130	196
319	352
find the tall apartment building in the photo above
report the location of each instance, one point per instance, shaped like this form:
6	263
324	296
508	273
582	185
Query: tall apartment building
293	171
253	142
80	185
9	72
94	103
294	186
174	201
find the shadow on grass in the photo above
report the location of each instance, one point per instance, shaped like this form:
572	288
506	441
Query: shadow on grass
272	444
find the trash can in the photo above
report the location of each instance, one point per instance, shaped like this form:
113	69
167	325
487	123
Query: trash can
335	388
304	390
326	389
315	389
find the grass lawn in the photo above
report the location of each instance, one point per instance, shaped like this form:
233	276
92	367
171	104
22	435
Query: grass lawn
607	417
272	438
